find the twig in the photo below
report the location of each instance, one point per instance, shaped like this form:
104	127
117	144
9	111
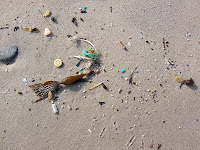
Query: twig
130	80
164	46
82	57
102	132
121	44
130	141
96	85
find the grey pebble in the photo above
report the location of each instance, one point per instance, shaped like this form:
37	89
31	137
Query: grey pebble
9	54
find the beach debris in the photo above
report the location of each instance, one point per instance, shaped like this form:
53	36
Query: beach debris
121	44
130	79
29	29
130	141
25	81
90	131
73	79
165	44
179	79
58	63
159	146
129	44
83	10
47	13
122	71
82	57
55	110
42	89
103	131
101	103
111	9
47	31
183	81
74	21
90	54
105	87
9	54
15	28
19	93
50	95
101	83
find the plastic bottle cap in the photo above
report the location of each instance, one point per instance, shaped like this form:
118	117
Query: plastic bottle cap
58	62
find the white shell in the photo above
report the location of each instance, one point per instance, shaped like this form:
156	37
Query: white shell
47	31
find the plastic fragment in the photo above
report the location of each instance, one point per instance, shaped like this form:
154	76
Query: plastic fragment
55	110
58	62
122	71
47	13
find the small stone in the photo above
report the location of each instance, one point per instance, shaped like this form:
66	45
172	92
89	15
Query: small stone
129	44
9	54
84	91
47	31
36	125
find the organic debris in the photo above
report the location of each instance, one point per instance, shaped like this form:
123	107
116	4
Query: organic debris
44	90
122	45
29	29
15	28
183	81
74	21
101	83
130	79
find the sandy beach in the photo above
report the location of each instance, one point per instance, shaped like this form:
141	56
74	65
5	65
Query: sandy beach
155	40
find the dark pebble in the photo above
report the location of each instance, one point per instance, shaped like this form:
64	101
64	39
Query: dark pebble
9	54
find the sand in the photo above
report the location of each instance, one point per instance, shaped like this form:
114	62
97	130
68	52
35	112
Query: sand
170	117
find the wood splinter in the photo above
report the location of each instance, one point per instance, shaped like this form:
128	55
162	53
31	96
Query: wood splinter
122	45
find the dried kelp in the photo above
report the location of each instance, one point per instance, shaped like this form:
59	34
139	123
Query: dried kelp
44	90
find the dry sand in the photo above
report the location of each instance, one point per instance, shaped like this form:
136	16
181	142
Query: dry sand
171	118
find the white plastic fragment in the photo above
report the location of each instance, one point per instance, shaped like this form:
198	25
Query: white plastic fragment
55	110
129	44
90	131
25	80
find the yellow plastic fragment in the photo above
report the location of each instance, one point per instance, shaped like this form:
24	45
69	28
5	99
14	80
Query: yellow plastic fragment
58	62
47	13
29	29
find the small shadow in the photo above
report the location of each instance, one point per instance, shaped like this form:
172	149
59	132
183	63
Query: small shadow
193	87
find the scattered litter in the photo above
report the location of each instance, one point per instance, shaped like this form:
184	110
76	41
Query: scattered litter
84	91
55	110
42	89
101	83
159	146
47	13
9	54
183	81
102	132
90	131
25	80
122	71
130	141
58	63
91	55
129	44
122	45
29	29
130	79
74	21
47	32
15	28
101	103
111	9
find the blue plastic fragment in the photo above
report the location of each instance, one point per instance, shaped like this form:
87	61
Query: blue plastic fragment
80	69
137	72
122	71
85	8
